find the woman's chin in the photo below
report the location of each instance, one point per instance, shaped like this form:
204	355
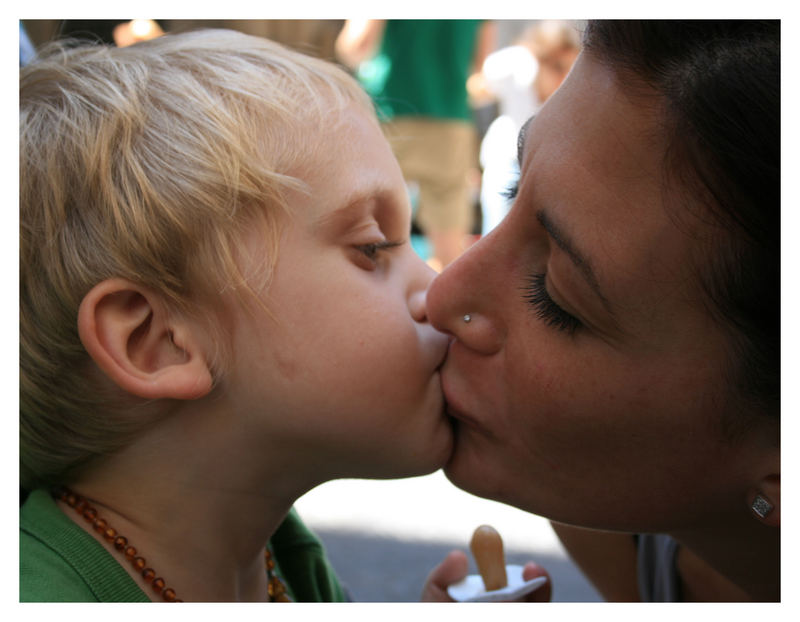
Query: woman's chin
467	468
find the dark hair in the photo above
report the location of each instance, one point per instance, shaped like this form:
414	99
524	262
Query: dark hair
719	82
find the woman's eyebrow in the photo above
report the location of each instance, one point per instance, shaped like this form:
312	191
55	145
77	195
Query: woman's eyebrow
578	258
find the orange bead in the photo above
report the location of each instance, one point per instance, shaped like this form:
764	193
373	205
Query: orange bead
110	533
100	525
130	552
148	574
158	585
120	542
169	595
139	563
80	506
71	500
90	514
275	588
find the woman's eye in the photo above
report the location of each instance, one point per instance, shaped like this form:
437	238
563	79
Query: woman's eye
546	309
511	190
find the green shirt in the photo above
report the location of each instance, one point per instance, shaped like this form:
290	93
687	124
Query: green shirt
60	562
422	68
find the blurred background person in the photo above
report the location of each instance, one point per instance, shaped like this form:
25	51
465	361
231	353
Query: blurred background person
520	77
417	72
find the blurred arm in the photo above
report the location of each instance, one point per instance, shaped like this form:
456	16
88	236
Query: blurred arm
485	45
359	40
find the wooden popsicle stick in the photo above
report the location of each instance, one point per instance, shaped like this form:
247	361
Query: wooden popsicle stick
487	549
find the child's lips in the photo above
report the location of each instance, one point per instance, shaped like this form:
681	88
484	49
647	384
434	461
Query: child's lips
445	353
443	347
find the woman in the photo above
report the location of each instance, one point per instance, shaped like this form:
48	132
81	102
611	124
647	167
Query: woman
615	365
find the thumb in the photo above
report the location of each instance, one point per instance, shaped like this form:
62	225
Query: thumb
452	570
542	594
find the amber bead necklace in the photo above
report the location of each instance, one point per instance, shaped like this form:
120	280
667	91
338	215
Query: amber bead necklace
275	587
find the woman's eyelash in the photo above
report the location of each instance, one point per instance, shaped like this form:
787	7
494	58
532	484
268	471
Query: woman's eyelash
510	192
546	309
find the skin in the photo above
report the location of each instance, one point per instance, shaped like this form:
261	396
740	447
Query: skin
350	364
339	378
613	422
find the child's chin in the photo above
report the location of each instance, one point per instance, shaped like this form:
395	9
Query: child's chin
425	458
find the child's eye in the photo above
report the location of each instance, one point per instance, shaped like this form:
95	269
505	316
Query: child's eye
372	251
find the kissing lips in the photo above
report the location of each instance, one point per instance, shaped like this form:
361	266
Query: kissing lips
454	412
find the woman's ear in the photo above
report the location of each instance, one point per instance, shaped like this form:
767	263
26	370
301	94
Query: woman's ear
765	501
128	332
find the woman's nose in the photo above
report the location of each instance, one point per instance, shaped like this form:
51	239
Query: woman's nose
461	302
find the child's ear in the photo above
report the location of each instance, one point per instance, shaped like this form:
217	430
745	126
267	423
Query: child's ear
128	332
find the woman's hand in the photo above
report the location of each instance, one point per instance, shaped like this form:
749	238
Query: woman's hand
454	568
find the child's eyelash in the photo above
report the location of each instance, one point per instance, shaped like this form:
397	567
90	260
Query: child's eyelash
372	250
546	309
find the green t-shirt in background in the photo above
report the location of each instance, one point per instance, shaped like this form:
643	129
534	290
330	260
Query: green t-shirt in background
421	69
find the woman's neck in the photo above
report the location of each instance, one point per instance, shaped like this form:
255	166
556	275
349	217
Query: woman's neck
731	563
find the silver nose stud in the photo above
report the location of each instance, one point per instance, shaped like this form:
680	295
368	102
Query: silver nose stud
467	318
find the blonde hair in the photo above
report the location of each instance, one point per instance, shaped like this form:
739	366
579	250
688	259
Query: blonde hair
146	163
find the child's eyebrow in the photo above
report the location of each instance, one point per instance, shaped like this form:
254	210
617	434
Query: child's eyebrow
347	215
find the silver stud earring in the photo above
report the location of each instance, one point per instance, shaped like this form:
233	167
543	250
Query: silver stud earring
467	318
761	507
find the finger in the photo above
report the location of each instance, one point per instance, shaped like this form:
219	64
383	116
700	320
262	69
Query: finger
543	593
452	570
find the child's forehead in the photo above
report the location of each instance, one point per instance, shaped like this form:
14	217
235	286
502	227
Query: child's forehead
351	211
324	132
350	175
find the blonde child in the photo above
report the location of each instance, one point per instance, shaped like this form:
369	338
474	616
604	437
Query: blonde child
219	310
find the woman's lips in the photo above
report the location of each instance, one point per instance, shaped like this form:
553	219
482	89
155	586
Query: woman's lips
478	417
459	416
452	408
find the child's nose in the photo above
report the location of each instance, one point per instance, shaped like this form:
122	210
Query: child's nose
417	306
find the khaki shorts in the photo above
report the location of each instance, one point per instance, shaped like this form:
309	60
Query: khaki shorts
437	156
